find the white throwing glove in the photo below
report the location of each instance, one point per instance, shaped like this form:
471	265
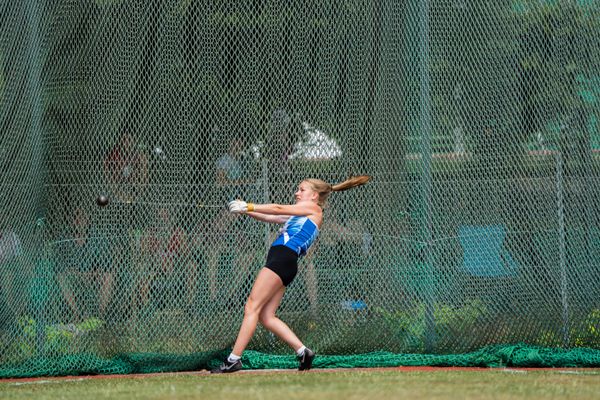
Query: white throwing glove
240	206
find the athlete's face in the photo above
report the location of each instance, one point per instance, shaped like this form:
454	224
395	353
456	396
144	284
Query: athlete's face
305	192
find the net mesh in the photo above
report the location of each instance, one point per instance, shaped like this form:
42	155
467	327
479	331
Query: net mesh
476	243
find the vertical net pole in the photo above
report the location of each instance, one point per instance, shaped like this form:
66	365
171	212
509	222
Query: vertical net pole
425	122
561	246
34	91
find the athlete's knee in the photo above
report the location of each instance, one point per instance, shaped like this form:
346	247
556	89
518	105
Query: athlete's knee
266	319
252	307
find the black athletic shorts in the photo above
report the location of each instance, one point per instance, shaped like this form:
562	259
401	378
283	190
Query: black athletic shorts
284	262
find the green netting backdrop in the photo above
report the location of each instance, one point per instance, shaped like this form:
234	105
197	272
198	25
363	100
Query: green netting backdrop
476	243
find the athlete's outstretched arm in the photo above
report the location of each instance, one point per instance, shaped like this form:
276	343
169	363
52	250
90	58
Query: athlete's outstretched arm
302	208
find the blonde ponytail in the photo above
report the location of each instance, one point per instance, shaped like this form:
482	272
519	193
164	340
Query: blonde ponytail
351	182
324	188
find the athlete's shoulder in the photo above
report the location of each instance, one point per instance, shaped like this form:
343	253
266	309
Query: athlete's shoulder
311	207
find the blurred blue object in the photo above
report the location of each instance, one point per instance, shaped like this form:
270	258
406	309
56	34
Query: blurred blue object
483	251
354	305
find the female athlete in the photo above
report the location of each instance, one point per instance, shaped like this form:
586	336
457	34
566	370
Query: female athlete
302	221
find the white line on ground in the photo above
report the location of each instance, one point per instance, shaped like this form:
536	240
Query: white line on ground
577	372
45	381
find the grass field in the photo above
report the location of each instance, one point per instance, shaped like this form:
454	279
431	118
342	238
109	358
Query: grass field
330	384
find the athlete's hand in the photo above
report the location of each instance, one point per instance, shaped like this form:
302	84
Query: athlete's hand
240	206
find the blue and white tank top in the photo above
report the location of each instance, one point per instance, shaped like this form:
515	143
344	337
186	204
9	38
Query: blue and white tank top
298	233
